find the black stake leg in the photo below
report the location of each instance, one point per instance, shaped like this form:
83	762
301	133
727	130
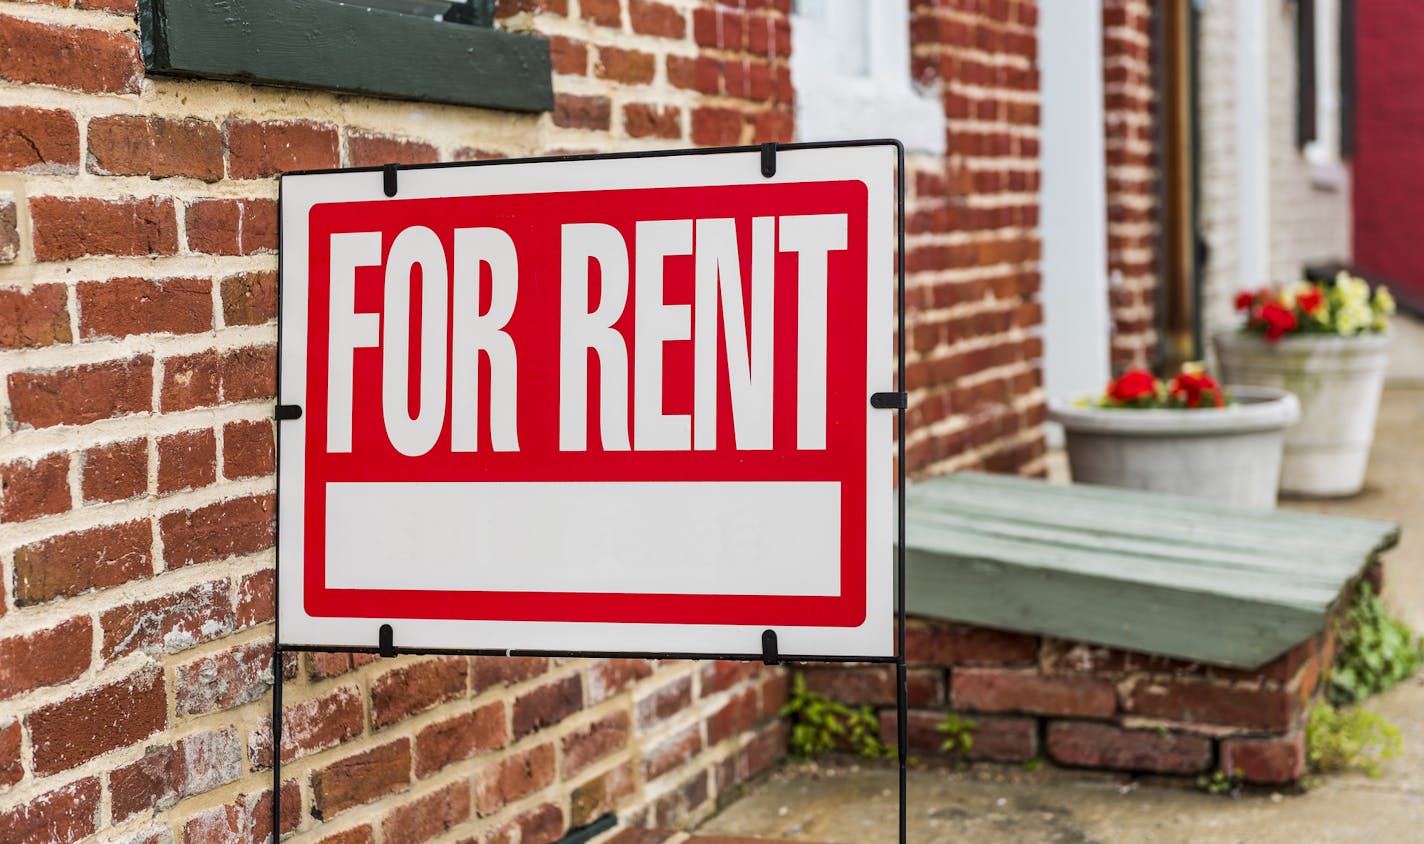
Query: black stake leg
276	742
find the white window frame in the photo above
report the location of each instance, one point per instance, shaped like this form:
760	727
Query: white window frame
835	101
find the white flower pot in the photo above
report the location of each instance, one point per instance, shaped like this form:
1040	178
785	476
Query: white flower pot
1227	454
1338	382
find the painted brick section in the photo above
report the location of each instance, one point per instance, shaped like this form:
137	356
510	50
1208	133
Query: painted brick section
1131	126
168	624
73	731
224	680
34	140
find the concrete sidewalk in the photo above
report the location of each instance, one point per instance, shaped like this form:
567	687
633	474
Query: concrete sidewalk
997	803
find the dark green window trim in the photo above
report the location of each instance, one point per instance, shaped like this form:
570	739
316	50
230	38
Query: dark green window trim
341	47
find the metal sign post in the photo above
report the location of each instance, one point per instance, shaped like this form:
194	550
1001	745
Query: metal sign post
511	392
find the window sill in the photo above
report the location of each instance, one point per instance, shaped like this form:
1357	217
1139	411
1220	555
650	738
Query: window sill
330	45
1328	177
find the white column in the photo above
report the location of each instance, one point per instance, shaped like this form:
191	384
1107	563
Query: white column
1253	162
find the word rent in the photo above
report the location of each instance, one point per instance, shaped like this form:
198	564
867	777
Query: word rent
450	316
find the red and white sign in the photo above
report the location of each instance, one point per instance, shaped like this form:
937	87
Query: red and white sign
603	405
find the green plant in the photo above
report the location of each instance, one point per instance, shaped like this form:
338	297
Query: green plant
1376	651
1349	739
819	724
958	734
1219	783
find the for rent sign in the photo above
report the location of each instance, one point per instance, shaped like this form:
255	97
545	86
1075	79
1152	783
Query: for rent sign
618	404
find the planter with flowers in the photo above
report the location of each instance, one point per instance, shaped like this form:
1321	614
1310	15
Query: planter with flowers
1327	344
1187	436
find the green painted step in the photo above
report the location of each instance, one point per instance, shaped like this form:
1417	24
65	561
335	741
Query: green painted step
1160	574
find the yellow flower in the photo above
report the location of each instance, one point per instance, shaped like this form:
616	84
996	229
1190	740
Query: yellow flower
1193	367
1384	301
1352	291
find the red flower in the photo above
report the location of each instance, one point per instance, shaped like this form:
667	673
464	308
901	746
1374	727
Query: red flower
1310	300
1244	300
1195	389
1277	320
1133	385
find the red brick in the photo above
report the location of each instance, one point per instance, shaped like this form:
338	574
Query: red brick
462	737
575	112
197	764
547	704
568	56
168	624
45	658
367	149
643	120
115	471
398	694
34	140
716	126
735	717
358	835
231	226
629	67
1000	690
310	726
69	57
956	644
73	563
34	319
223	680
246	819
191	381
604	793
81	394
249	449
776	690
1277	710
423	819
514	777
602	12
587	745
259	150
12	770
664	703
132	145
73	731
719	675
256	598
73	227
9	254
30	489
123	7
322	665
187	460
64	814
1264	760
653	18
1092	745
544	824
250	298
702	74
866	684
491	671
996	738
671	753
608	677
249	373
225	529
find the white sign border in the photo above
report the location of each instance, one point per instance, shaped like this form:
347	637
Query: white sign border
875	163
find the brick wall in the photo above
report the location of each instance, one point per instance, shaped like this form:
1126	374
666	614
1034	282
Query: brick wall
972	245
137	348
1085	706
1130	117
